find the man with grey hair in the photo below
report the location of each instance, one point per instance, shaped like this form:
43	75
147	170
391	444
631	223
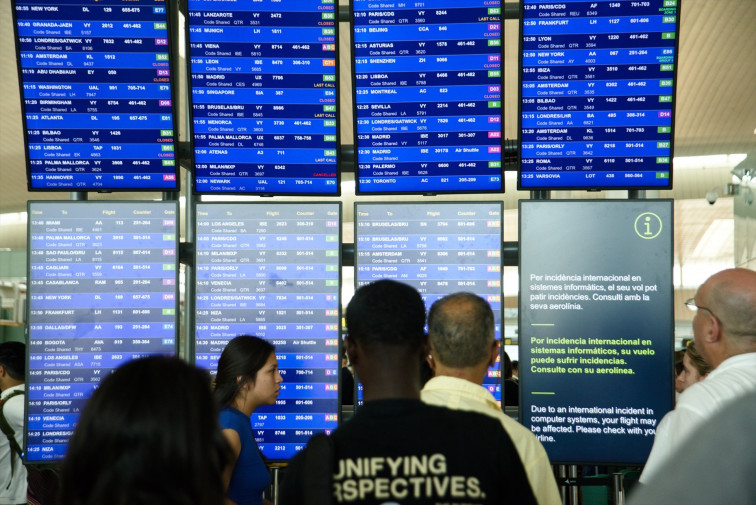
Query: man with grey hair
724	329
462	348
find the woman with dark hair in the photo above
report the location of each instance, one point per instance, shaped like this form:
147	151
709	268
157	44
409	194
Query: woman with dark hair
247	378
149	434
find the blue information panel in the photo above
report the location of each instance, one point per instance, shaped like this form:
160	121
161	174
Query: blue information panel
596	326
102	291
438	248
264	96
427	81
96	94
273	270
597	94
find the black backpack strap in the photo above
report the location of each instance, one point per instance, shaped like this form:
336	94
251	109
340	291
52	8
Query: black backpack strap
15	449
318	470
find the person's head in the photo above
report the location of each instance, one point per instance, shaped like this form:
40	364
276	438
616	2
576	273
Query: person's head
247	375
694	369
515	368
725	322
149	434
461	332
386	325
678	361
507	366
12	364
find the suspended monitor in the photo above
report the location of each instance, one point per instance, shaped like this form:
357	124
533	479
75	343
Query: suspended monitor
427	81
438	248
264	94
597	94
97	99
596	326
273	271
102	291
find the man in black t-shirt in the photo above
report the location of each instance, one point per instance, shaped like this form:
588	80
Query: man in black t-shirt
396	449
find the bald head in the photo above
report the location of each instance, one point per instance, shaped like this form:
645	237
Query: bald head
730	297
461	330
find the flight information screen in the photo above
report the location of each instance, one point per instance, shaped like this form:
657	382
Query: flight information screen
264	96
597	94
96	94
273	271
427	81
438	248
595	318
102	291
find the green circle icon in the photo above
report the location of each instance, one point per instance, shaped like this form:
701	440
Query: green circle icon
648	225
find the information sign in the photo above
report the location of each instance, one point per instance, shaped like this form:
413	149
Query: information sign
596	328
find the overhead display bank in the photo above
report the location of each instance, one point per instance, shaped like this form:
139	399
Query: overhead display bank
273	271
596	326
96	94
427	84
102	291
597	94
264	96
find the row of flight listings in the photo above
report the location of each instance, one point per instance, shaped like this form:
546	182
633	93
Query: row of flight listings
596	99
103	284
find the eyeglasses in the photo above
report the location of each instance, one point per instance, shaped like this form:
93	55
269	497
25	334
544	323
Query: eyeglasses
691	304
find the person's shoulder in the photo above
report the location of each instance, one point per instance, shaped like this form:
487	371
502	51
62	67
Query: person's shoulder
13	395
470	418
512	426
13	390
720	386
230	418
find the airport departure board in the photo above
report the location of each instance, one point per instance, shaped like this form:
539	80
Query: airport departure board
597	94
427	81
273	271
437	248
96	98
264	96
101	291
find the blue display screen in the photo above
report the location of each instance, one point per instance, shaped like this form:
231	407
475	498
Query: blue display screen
96	94
597	94
102	291
437	248
264	96
427	84
596	321
273	271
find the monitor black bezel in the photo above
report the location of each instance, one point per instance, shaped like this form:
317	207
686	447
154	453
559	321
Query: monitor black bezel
27	336
190	120
170	20
585	187
357	189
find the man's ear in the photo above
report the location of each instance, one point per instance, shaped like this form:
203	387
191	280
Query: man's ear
713	332
495	351
3	371
350	349
425	347
429	358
